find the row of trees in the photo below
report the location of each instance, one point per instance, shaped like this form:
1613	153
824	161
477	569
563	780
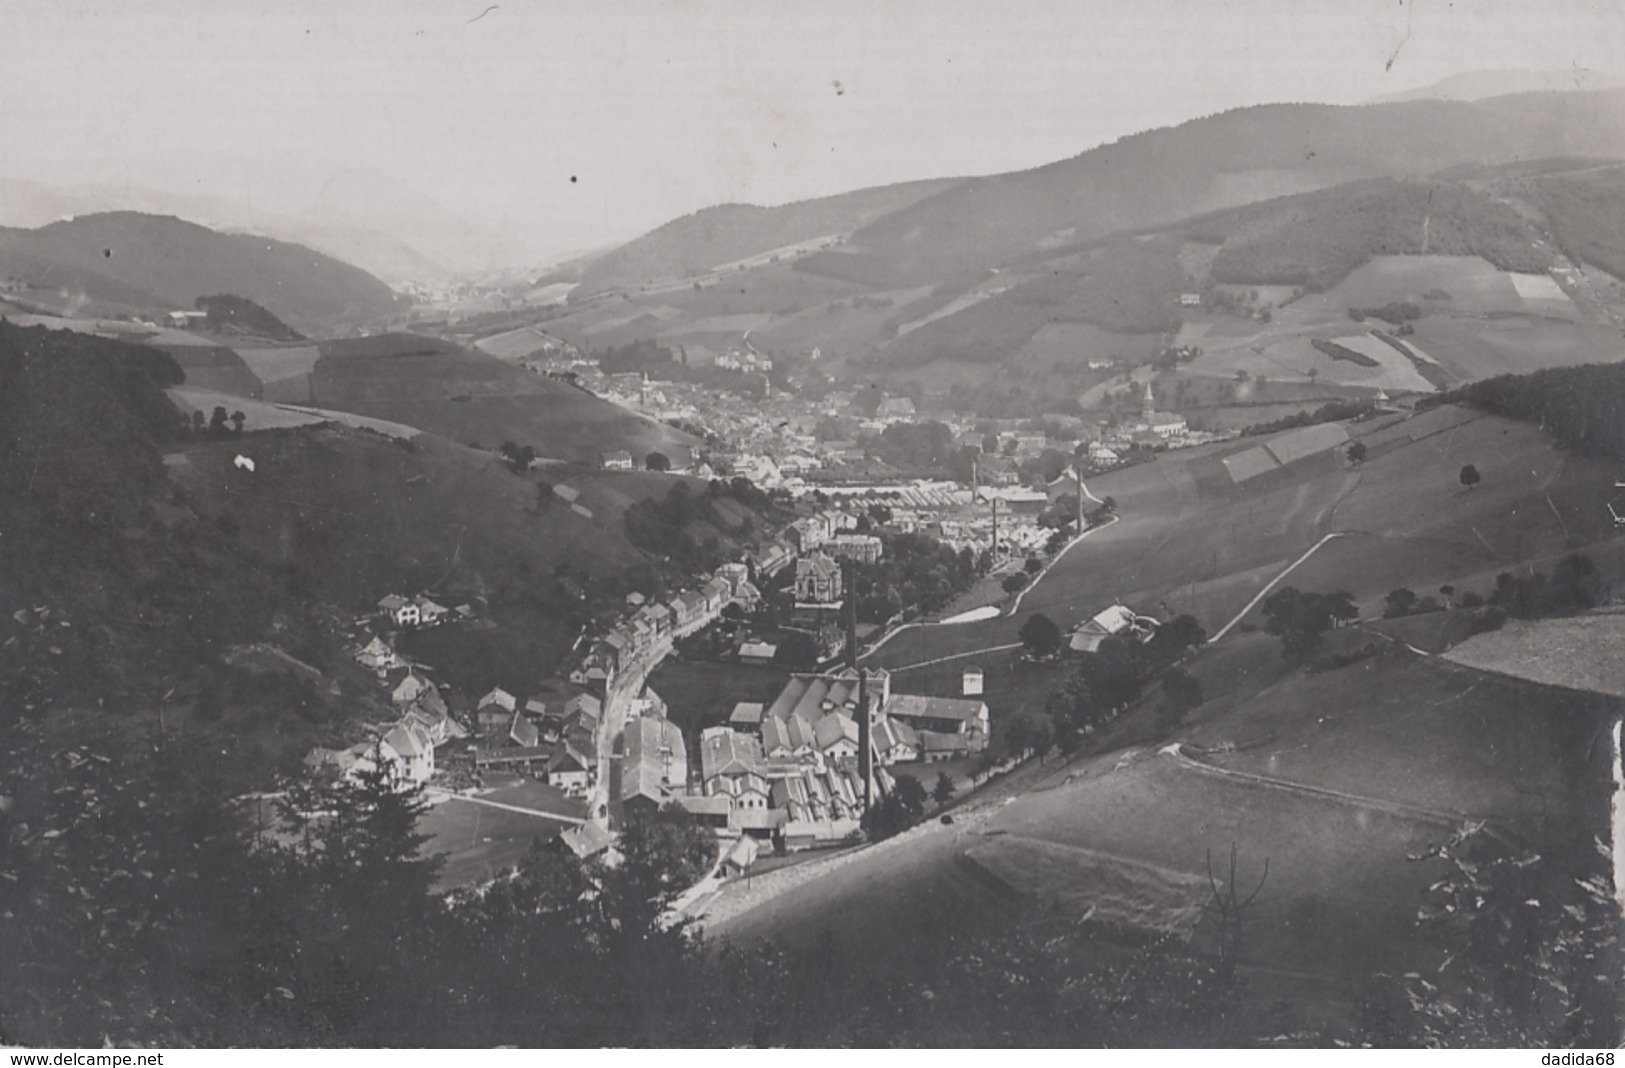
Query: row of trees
1108	680
1582	408
915	570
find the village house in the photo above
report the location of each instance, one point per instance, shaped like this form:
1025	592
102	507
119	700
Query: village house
400	611
862	548
619	460
378	656
570	769
716	594
770	559
654	767
408	747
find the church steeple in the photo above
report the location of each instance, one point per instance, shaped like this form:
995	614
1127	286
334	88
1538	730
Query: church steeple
1148	406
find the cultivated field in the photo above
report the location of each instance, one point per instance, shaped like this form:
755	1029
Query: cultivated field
1583	653
260	416
472	397
272	365
215	368
1477	322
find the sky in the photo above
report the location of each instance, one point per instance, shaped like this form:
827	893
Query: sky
567	126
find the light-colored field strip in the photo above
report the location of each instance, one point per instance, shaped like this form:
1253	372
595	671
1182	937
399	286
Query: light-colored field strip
447	795
1390	808
1271	585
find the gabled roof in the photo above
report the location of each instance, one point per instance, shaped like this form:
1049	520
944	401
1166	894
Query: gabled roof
644	769
788	697
523	732
586	840
743	853
937	742
963	709
584	740
747	712
500	697
817	565
707	805
727	752
758	651
409	740
568	758
1113	620
835	728
893	732
584	704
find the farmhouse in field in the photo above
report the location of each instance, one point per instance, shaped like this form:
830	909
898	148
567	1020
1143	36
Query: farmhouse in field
1116	621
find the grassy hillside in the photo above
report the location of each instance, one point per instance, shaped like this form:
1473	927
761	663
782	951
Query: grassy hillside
708	239
467	396
1340	778
1129	287
156	263
155	555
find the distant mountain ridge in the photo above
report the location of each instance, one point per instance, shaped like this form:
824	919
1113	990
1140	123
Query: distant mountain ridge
385	252
716	236
156	263
1226	160
1483	84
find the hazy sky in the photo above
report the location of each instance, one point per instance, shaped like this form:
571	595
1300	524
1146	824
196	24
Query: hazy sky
575	124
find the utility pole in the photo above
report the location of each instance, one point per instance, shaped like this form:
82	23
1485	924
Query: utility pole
865	716
993	550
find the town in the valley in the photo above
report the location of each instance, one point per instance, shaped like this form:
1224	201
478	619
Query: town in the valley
817	526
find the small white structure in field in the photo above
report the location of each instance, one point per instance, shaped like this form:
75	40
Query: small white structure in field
244	462
972	682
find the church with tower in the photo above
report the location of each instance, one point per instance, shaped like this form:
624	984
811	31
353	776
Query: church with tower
1162	424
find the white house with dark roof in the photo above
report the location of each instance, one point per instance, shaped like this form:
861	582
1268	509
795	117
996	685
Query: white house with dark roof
570	769
408	747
